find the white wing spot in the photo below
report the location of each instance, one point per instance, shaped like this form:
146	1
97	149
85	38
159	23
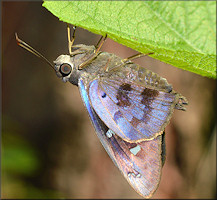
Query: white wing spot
109	133
135	150
138	175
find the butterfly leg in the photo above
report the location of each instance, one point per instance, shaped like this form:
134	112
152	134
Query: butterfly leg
99	44
106	65
70	41
138	55
128	60
96	52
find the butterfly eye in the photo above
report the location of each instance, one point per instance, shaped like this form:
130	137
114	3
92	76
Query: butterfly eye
65	69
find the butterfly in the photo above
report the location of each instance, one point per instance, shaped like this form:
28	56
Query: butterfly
129	107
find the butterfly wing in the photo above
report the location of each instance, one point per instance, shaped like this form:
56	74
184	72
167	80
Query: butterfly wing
133	113
139	162
135	103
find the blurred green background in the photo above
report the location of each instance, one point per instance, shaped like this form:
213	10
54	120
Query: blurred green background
49	148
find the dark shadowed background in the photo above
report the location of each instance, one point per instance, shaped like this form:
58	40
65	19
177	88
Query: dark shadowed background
49	147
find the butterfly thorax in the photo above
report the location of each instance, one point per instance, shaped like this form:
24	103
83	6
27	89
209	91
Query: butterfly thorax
71	67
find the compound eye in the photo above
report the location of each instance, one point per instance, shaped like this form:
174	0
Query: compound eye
65	69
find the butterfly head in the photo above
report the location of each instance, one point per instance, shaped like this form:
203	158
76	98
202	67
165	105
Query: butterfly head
67	67
64	67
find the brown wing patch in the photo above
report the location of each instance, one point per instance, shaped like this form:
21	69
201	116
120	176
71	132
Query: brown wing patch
135	121
148	95
122	95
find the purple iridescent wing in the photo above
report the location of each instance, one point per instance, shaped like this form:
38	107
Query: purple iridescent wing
134	102
132	112
139	162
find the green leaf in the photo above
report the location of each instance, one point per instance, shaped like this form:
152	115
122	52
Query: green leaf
19	160
180	33
17	156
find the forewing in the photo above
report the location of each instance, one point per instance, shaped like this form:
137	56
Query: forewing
133	111
139	162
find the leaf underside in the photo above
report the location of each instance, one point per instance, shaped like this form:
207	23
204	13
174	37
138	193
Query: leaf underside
180	33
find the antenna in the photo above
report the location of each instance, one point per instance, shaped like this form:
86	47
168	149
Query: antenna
32	50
